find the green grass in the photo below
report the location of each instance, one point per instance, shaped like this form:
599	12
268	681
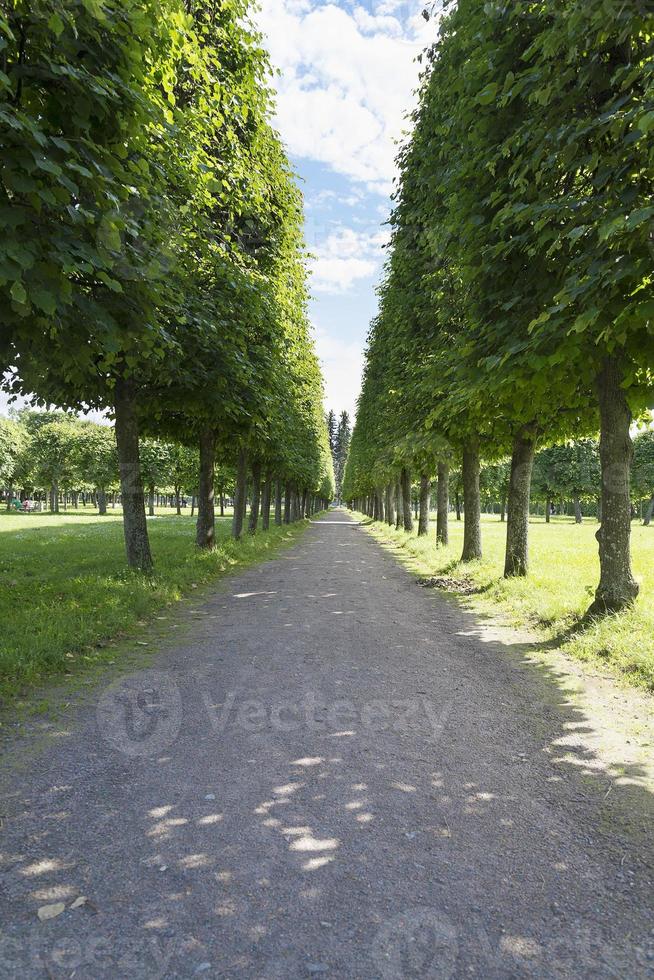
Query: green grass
557	592
65	592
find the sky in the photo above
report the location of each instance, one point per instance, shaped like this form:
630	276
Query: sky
346	74
346	77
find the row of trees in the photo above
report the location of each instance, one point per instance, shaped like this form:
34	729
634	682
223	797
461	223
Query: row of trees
566	480
152	263
57	457
516	307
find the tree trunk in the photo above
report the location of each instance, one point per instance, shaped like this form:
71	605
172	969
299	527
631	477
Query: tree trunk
578	515
102	501
516	561
599	509
151	500
54	498
405	480
303	504
649	513
471	503
548	510
205	536
178	501
265	503
390	505
442	504
256	496
503	508
425	493
399	506
287	503
192	504
278	502
135	525
240	492
617	588
457	503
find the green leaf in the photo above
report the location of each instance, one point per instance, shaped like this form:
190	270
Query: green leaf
18	293
646	122
488	94
56	24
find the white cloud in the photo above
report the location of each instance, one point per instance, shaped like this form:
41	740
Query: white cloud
344	257
346	83
342	367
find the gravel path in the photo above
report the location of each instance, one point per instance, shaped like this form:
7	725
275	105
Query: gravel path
330	774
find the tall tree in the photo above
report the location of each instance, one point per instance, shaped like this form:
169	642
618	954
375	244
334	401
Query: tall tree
340	451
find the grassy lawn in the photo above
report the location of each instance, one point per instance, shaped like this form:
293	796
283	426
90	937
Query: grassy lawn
65	591
564	573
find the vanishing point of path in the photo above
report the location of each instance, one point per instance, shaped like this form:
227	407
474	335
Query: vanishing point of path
330	772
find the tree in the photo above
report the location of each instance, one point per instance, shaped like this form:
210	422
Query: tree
642	476
340	451
330	421
96	459
154	457
570	470
53	452
12	440
84	194
515	301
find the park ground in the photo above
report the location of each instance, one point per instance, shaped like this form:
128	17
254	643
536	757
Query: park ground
329	771
555	595
66	595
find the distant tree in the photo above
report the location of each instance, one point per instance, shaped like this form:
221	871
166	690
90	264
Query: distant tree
12	437
96	458
183	466
155	467
330	421
53	451
341	449
571	470
494	480
642	473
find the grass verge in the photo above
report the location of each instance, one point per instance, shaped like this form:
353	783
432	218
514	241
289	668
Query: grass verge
554	597
65	592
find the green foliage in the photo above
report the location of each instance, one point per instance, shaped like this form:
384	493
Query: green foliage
516	298
569	470
154	232
12	439
642	473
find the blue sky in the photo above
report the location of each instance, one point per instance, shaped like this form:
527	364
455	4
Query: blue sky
347	73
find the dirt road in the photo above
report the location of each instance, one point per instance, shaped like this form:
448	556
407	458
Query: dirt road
329	774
